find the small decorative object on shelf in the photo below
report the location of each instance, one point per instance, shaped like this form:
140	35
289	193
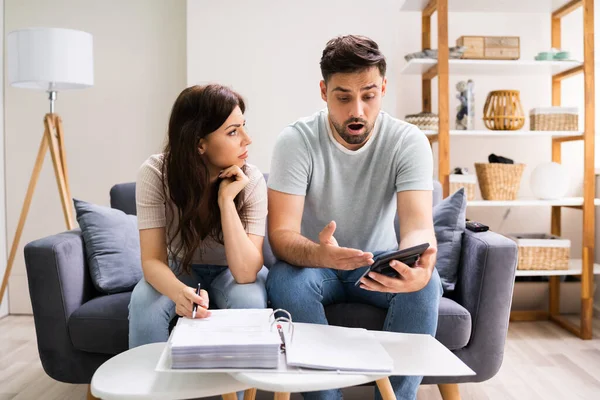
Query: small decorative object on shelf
541	251
424	121
549	181
460	178
465	116
553	55
503	111
490	47
500	179
454	53
553	119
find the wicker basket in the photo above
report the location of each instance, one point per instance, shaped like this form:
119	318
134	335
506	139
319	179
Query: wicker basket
502	111
469	182
499	181
424	121
553	119
540	251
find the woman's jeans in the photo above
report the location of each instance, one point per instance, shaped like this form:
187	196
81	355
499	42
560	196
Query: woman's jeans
150	312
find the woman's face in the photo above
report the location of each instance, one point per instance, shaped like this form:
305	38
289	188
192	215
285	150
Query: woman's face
228	145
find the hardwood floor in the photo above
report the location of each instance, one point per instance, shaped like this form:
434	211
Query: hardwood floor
541	361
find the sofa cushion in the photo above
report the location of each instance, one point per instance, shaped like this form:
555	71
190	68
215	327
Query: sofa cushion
102	325
112	246
454	321
449	219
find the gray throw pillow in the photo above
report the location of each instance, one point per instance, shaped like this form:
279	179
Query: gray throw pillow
112	246
449	220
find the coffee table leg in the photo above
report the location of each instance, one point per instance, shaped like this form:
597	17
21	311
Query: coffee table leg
385	388
281	396
230	396
250	394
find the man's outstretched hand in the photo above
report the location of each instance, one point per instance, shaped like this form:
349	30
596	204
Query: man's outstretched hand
336	257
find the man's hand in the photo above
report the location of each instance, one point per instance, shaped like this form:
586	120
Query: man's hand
410	280
336	257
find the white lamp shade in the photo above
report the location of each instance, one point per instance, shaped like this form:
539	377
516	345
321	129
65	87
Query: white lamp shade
50	59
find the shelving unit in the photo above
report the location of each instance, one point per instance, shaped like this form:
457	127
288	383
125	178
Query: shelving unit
556	71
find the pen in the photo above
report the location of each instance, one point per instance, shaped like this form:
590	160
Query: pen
196	305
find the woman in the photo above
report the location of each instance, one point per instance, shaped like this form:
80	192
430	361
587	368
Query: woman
201	214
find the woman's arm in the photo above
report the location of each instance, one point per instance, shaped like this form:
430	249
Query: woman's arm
159	275
243	250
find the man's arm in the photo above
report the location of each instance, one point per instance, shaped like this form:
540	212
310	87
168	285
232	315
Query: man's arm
288	244
415	215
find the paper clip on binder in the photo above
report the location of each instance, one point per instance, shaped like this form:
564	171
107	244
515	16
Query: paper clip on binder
273	319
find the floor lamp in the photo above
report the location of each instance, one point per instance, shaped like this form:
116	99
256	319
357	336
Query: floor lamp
52	60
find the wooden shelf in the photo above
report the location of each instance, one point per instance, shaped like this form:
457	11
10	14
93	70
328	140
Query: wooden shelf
521	133
528	202
574	269
418	66
504	6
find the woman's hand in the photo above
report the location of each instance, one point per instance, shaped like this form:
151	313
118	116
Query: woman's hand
234	180
185	299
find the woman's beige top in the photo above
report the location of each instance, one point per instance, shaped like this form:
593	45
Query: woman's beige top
154	211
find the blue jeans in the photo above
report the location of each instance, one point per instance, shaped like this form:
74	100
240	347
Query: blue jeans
305	292
150	312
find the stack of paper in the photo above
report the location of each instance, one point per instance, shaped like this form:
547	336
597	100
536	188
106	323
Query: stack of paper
226	339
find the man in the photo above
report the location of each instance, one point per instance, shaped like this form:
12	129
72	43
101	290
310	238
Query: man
337	179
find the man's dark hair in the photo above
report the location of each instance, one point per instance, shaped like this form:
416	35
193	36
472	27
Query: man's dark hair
351	53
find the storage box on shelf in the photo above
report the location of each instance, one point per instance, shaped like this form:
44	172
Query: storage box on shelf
499	181
553	119
541	251
469	182
490	47
424	121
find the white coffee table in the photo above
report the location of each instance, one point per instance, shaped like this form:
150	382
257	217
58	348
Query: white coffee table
132	375
420	355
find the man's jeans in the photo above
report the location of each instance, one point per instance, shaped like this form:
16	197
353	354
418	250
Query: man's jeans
305	292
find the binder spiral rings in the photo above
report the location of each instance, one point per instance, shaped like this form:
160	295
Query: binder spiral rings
273	319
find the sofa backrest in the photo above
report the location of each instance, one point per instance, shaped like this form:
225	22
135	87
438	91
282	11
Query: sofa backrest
122	197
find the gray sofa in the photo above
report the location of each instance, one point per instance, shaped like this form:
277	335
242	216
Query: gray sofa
78	328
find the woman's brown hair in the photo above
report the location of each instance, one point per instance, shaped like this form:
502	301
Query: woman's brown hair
198	111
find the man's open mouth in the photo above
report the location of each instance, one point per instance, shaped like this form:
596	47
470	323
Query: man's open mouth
355	128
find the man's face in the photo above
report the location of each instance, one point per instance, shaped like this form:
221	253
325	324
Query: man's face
354	101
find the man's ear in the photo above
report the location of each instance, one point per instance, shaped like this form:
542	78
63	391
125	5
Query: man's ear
202	147
323	86
383	86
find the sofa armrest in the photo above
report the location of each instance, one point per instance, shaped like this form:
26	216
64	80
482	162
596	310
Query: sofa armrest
485	286
59	283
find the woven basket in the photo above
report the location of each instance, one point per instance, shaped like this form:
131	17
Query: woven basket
553	119
424	121
539	251
502	111
499	181
466	181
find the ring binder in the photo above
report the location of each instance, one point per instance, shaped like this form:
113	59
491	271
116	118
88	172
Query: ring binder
279	329
280	310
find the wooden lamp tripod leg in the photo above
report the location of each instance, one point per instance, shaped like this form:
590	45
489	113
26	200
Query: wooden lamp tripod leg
55	139
56	144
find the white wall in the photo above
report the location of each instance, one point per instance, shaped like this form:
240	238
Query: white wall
3	255
270	50
111	128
